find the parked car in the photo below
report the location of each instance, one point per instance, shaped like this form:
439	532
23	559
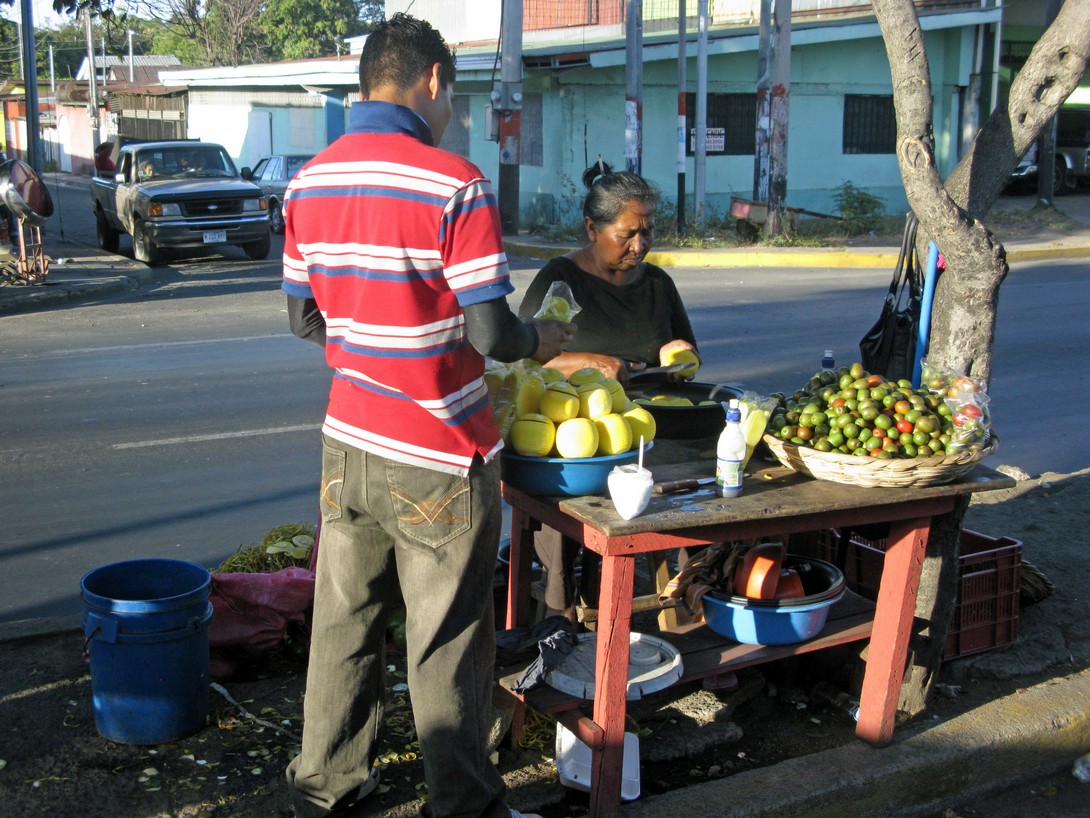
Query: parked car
1072	163
178	195
272	174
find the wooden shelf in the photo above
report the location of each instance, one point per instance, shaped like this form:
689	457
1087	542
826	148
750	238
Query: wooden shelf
706	653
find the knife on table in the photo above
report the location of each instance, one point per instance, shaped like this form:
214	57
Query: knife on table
678	486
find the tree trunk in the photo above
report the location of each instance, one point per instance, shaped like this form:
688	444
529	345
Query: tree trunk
967	294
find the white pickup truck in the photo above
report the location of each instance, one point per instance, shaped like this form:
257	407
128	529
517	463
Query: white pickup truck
1072	160
179	195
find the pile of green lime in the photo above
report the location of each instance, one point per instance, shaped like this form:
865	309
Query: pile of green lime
852	411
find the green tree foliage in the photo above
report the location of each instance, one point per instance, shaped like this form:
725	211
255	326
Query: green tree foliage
299	29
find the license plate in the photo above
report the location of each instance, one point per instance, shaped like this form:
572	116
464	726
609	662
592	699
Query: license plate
215	236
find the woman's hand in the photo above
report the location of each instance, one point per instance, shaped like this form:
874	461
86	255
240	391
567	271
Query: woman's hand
669	349
609	366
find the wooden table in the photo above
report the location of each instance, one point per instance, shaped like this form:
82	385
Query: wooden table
775	502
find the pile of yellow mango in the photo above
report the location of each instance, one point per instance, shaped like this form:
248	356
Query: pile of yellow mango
540	413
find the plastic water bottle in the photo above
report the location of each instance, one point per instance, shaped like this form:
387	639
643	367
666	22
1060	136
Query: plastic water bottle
730	453
827	361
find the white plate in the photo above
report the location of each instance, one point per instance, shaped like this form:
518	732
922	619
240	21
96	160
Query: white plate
215	236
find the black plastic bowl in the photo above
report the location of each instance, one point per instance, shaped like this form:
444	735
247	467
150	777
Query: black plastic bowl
684	422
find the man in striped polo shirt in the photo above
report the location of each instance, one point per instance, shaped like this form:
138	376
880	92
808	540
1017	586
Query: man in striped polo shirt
394	263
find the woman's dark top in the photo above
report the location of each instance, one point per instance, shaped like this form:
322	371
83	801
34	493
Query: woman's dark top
631	322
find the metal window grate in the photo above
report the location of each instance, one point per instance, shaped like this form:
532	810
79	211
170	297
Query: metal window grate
870	124
732	124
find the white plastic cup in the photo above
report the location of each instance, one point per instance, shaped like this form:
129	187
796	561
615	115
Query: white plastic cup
630	489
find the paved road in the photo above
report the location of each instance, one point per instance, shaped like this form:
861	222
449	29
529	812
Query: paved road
181	421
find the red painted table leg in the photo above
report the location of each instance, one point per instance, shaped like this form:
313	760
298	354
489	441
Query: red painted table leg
892	630
611	682
521	555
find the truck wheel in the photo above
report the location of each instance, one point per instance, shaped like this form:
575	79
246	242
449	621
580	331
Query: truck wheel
1062	181
142	245
258	250
108	238
276	219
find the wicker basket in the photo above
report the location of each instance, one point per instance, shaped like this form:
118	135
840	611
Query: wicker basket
869	471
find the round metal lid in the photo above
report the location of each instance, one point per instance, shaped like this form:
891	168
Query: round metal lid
653	664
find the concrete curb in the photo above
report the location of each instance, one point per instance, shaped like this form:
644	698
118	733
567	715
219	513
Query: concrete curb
73	280
43	626
750	257
1034	732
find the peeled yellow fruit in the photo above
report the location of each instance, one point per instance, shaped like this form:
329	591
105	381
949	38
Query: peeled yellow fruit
559	402
680	355
616	391
670	400
493	381
577	437
588	374
533	435
641	422
594	401
551	375
614	434
529	395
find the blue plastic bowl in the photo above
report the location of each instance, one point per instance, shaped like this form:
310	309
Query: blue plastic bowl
784	621
562	476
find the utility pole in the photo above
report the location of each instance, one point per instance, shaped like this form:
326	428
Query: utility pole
1046	142
682	130
92	79
764	115
777	147
30	82
700	152
132	70
507	105
633	87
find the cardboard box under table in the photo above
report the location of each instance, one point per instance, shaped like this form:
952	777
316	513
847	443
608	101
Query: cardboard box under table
776	503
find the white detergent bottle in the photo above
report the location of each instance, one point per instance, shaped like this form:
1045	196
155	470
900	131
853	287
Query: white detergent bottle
730	453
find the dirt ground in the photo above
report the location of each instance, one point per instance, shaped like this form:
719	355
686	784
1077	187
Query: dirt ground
54	763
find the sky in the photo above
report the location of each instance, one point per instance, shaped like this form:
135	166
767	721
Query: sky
44	16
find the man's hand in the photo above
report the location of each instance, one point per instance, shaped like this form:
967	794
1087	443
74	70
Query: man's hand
552	337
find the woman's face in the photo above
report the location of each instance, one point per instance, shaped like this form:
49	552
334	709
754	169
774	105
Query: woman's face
623	244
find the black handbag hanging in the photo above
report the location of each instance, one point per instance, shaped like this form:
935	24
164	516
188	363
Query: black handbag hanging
889	347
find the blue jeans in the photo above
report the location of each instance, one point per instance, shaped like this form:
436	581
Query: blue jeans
387	524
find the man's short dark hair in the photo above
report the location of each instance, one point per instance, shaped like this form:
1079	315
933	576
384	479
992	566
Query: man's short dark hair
399	50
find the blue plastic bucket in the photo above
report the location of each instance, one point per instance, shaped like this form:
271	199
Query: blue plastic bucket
146	623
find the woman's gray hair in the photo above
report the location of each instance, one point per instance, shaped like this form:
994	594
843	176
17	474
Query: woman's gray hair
611	193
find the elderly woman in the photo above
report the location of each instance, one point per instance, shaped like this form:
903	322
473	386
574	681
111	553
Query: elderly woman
631	313
630	316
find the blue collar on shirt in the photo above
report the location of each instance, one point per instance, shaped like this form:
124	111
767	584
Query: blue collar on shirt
372	116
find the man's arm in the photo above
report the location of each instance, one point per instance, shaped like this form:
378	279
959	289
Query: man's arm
306	320
496	332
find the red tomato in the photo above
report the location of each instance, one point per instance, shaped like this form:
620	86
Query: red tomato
971	410
904	426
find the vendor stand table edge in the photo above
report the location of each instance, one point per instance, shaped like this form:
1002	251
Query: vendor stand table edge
776	503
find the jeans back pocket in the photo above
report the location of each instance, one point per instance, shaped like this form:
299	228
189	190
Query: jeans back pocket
432	507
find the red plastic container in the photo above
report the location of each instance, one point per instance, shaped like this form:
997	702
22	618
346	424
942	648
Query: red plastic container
986	611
